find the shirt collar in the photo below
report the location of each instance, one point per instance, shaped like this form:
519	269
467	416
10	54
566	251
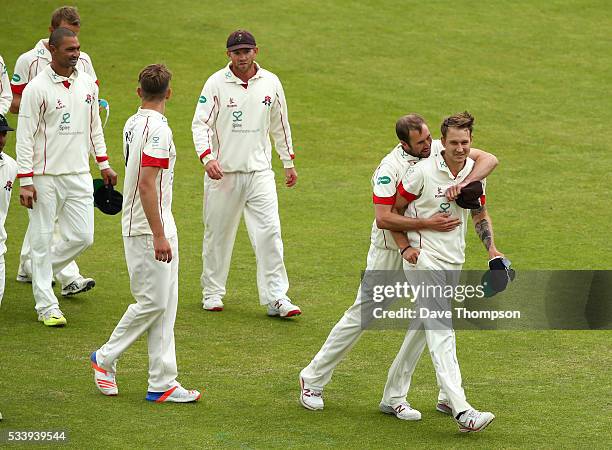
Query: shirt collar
231	78
151	113
441	165
404	155
59	78
41	50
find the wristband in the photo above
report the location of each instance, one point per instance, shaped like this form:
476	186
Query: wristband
403	250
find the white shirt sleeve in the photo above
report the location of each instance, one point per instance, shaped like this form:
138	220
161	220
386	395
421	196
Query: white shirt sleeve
97	144
204	119
412	183
384	185
32	108
21	74
5	89
279	127
156	150
88	66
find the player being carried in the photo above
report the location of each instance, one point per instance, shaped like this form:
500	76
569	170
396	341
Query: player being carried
432	258
415	145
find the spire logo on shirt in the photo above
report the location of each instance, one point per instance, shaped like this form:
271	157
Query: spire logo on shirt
444	207
65	119
267	100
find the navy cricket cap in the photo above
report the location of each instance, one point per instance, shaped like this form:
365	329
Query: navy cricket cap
469	198
4	126
106	198
240	39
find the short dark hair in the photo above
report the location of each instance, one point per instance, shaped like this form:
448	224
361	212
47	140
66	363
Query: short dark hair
406	124
58	35
462	120
154	81
68	14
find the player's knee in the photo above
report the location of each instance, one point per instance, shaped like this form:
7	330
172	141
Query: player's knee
84	240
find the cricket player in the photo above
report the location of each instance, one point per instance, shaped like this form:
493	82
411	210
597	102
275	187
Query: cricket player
27	67
151	246
432	258
59	127
240	106
415	144
5	89
8	172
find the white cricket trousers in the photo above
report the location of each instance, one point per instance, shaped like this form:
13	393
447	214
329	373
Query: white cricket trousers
69	198
439	337
154	285
350	327
65	276
225	201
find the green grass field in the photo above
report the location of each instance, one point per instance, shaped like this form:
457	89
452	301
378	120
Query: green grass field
536	74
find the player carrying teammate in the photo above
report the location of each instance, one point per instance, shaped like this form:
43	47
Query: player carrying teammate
151	246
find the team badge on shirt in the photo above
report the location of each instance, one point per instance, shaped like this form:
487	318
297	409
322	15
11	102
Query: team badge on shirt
9	185
89	99
267	100
59	104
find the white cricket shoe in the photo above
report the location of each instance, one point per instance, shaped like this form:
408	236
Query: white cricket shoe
212	304
177	394
79	285
283	308
53	318
473	421
444	408
104	379
402	411
311	399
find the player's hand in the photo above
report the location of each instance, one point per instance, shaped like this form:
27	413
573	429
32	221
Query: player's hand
213	169
453	192
109	176
411	255
443	222
494	253
290	177
27	196
163	251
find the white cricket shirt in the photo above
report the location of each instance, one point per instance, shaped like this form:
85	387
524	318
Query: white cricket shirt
5	89
233	122
59	126
385	180
32	62
424	185
8	172
147	142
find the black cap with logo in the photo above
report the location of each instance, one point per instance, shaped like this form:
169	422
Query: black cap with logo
240	39
4	126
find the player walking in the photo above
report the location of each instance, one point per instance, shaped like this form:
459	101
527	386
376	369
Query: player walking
151	246
8	172
415	144
240	106
29	65
59	126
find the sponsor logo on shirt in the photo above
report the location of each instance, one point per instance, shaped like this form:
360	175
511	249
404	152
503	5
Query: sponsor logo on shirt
16	78
237	119
59	104
202	99
41	51
9	185
228	74
383	180
444	207
267	100
440	193
65	118
232	103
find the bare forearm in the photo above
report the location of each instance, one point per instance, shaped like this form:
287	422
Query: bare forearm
393	221
15	103
401	240
149	200
485	163
484	227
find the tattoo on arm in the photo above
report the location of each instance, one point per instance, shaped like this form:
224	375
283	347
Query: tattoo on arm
478	211
483	230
